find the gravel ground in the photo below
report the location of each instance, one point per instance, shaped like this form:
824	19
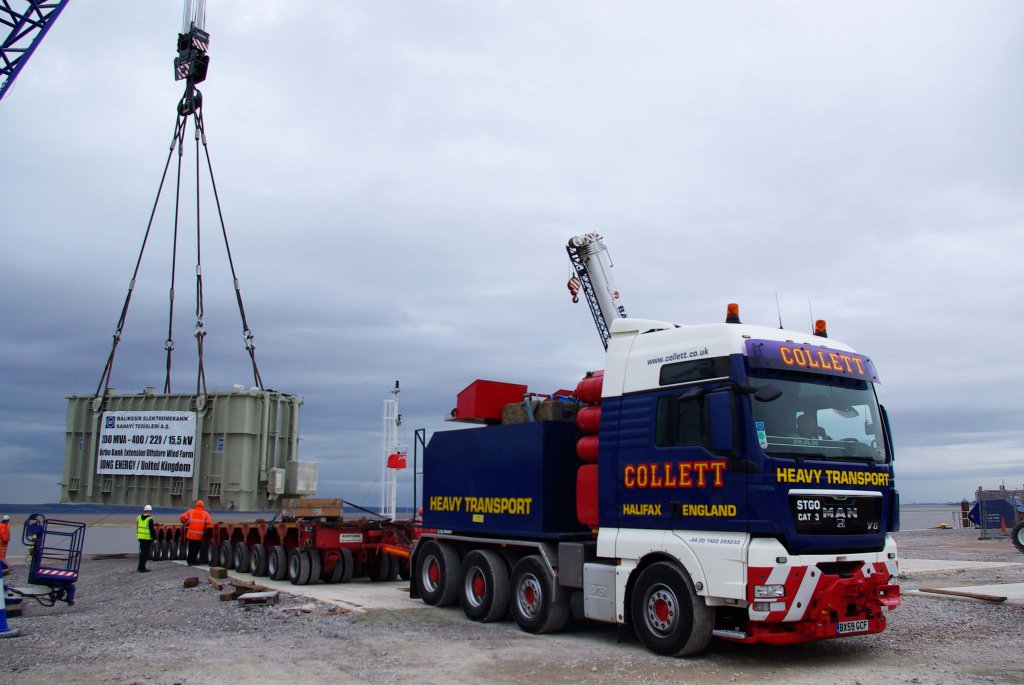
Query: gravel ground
128	627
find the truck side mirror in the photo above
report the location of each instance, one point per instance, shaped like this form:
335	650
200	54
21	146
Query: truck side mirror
721	421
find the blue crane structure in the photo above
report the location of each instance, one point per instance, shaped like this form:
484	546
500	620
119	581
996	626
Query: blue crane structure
27	25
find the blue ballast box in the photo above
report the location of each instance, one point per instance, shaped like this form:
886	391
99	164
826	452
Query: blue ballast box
511	480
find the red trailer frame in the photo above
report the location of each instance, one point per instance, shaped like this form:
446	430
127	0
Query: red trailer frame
305	551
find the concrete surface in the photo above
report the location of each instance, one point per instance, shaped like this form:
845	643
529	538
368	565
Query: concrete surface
359	595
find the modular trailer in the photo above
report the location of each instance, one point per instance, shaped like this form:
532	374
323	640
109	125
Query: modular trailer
303	550
698	500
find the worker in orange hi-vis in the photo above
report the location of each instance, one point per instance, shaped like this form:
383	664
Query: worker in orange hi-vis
197	520
5	536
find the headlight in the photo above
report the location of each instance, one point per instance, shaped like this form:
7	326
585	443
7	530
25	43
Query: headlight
769	591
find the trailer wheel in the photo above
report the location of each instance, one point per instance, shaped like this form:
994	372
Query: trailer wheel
484	595
277	563
1018	536
395	568
378	566
667	614
258	560
299	565
240	558
533	601
342	571
227	555
315	567
436	573
213	554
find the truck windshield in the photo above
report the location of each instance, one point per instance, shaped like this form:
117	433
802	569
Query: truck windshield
820	416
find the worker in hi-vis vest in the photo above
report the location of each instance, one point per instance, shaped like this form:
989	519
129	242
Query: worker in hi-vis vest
5	536
146	531
197	520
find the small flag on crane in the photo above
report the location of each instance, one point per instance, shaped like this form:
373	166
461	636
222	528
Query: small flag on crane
397	460
574	286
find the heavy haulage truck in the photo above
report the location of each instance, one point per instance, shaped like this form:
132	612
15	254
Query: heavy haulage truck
721	480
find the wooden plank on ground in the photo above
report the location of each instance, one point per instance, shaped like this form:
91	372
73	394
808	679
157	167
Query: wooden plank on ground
961	593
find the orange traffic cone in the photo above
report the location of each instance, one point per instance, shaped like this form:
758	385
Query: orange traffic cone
1002	525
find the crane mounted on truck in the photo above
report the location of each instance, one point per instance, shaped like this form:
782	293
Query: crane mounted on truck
720	480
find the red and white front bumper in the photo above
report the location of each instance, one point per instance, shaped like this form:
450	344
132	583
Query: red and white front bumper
817	597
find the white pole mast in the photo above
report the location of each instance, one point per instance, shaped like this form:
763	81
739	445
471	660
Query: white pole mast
390	421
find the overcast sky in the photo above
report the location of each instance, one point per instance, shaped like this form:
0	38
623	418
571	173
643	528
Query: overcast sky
399	180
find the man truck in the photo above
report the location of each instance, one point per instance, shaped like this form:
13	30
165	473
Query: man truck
720	480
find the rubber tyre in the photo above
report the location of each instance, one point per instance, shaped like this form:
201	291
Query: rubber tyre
227	554
342	571
379	567
436	573
668	616
240	557
155	551
258	560
404	570
1017	536
277	563
532	597
298	567
485	583
395	567
213	554
315	567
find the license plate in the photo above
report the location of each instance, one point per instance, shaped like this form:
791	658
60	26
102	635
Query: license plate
847	627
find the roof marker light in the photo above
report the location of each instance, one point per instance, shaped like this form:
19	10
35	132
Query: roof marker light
732	313
820	328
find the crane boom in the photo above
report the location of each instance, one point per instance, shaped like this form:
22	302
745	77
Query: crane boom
590	260
28	26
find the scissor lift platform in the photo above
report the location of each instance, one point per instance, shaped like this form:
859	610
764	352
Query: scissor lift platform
55	547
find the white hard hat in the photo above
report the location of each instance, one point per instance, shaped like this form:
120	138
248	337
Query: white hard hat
6	518
147	508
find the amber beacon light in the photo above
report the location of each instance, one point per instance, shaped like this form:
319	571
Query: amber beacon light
732	313
820	328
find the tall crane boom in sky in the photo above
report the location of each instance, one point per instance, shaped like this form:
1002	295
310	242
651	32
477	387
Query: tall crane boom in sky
28	26
590	260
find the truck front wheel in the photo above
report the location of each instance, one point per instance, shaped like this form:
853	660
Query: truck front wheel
484	586
533	601
668	616
437	573
1018	536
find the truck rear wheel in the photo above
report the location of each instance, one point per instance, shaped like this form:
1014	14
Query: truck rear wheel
437	573
1018	536
668	616
258	560
533	601
240	560
484	595
277	563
